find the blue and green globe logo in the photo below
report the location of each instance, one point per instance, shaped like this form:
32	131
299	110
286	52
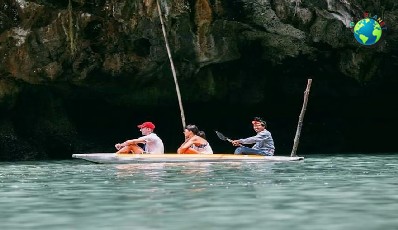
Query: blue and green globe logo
367	31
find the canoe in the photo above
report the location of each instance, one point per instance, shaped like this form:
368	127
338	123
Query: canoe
113	158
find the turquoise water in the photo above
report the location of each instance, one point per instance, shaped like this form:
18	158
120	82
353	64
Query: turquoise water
321	192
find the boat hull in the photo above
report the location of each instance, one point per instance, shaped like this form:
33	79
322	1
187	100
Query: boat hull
113	158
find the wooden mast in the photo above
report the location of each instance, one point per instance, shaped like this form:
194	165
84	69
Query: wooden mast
172	66
301	117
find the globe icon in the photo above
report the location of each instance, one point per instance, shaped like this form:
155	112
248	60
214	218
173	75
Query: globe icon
367	31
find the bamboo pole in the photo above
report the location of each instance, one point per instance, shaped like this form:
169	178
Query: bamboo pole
301	117
172	66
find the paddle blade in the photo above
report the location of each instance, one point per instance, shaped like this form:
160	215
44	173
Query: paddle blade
221	136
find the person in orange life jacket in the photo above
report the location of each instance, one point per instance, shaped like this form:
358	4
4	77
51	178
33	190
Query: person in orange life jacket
263	142
153	144
195	142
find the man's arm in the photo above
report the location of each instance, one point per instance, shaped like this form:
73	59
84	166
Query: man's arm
133	142
251	140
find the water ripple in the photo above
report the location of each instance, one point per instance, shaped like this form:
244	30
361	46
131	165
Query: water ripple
322	192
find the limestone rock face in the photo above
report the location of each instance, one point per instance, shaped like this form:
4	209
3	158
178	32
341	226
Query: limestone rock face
65	52
45	41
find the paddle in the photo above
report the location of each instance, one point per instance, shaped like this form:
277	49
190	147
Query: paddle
224	138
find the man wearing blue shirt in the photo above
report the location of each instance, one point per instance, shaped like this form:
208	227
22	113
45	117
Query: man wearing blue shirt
263	142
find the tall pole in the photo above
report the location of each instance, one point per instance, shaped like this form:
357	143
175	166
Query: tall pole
172	66
301	117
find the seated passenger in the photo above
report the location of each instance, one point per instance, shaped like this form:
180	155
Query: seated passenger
153	144
195	142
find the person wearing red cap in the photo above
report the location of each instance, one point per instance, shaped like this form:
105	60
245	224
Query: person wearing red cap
195	142
263	142
153	144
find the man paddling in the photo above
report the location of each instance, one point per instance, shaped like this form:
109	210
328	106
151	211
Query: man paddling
153	144
263	142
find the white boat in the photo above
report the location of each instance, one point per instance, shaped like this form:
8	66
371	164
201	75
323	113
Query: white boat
113	158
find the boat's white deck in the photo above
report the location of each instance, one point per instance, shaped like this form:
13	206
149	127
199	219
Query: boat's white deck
152	158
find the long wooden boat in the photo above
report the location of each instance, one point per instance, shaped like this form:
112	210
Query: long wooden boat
113	158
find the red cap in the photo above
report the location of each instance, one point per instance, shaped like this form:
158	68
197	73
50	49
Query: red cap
259	123
147	124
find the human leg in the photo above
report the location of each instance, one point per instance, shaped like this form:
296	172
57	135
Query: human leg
135	149
247	151
187	151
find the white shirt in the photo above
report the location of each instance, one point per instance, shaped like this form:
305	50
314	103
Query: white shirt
203	149
153	144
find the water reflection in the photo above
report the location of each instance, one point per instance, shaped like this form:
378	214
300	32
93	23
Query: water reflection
328	192
195	177
151	170
157	170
